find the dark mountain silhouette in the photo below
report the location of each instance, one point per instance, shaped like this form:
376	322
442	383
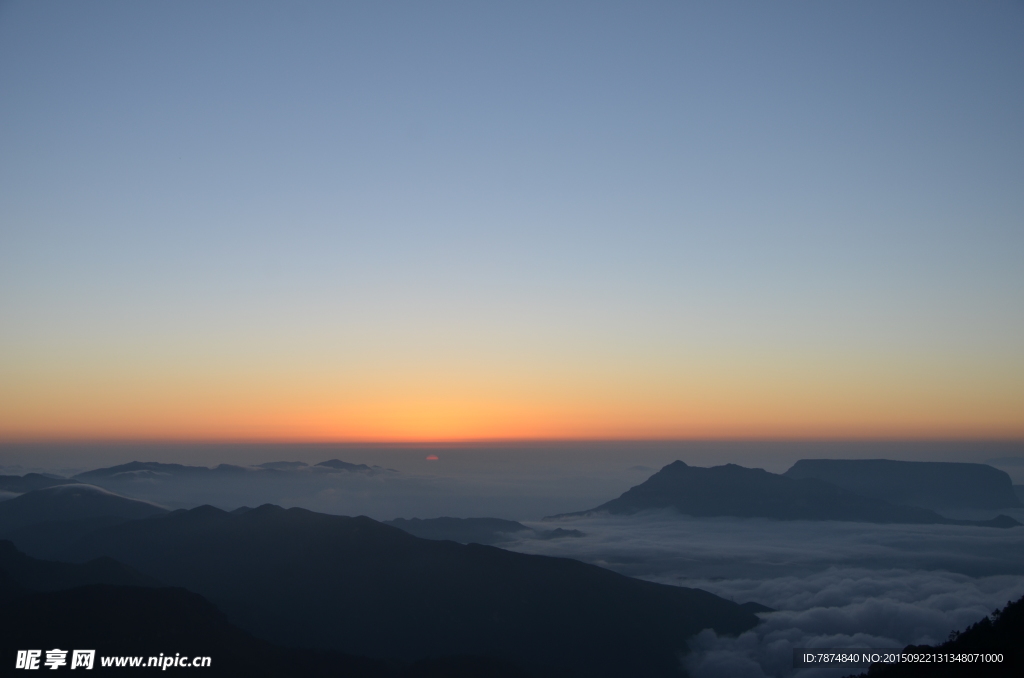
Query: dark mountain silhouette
9	588
339	465
283	465
1000	633
29	482
354	585
928	484
106	606
44	522
180	486
71	502
48	540
733	490
149	622
151	469
32	574
476	530
128	621
1019	491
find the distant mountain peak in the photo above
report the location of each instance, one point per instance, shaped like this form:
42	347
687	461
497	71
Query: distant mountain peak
283	465
339	465
733	490
138	470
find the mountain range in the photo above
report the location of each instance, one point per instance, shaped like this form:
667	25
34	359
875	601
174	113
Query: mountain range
927	484
356	586
108	607
732	490
410	595
184	486
136	470
43	522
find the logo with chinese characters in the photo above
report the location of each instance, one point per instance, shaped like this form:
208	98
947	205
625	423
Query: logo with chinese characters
33	659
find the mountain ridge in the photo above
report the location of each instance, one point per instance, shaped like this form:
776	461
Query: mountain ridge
928	484
354	585
732	490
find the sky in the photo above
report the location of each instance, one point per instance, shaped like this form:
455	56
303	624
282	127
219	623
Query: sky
406	221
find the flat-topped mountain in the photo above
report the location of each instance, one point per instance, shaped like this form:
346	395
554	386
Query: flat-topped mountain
476	530
929	484
732	490
355	585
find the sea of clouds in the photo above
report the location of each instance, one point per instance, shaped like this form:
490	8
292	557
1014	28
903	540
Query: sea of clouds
831	584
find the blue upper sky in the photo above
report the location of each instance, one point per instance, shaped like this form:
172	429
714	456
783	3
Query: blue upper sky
627	197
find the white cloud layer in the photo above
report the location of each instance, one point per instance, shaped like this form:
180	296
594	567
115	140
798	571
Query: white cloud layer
832	584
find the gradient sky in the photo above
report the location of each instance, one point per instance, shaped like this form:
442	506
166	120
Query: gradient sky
442	221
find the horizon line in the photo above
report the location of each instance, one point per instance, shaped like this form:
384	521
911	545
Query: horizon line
503	441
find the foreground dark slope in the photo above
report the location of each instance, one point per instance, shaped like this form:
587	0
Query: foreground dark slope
733	490
22	572
126	621
100	605
1003	634
352	584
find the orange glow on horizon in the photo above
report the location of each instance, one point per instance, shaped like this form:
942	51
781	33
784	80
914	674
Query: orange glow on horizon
419	428
722	397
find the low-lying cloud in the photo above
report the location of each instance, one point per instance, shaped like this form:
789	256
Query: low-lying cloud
832	584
